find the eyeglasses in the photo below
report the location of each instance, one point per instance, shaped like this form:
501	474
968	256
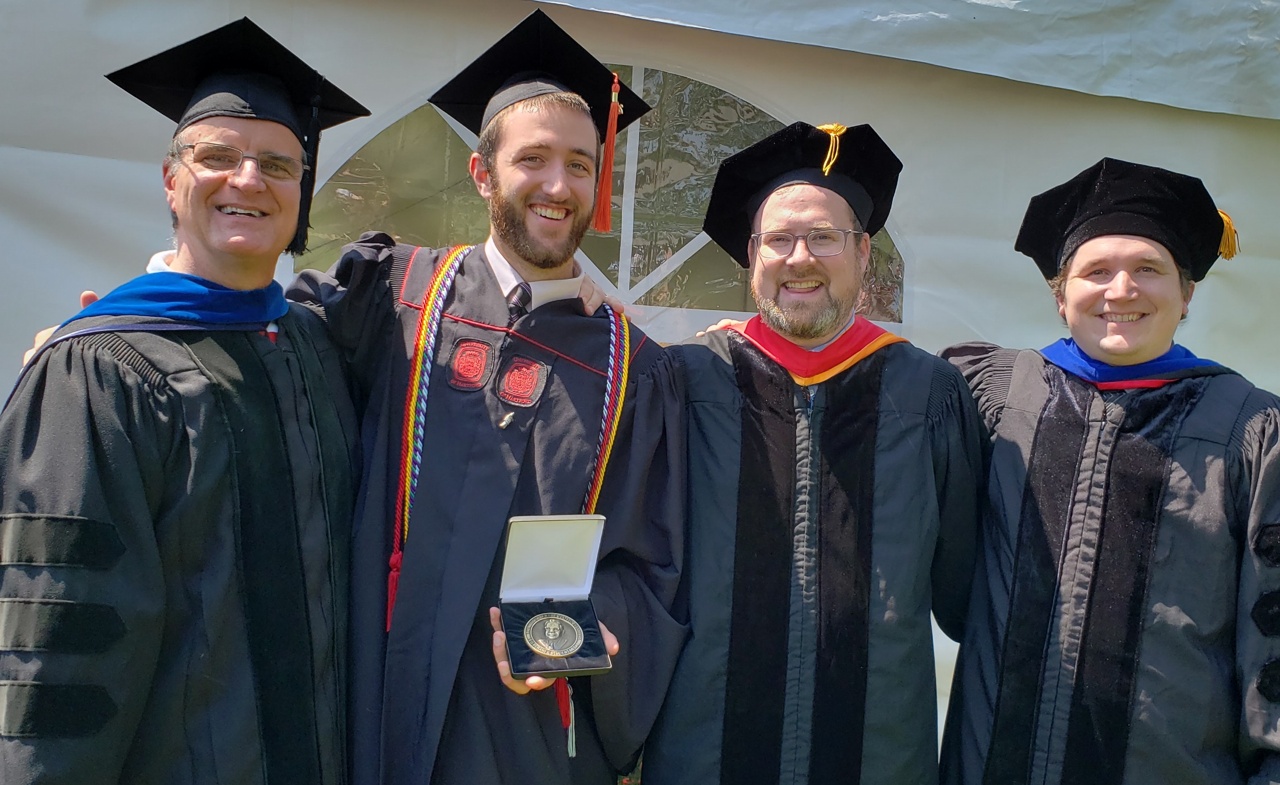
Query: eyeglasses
225	158
820	242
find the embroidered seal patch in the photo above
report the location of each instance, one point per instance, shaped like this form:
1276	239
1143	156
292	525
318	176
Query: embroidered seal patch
470	366
522	381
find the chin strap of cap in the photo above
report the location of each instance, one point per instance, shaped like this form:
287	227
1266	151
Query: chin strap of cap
833	150
602	221
1229	246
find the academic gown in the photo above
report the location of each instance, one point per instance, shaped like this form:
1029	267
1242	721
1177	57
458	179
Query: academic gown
827	517
428	705
1124	624
174	515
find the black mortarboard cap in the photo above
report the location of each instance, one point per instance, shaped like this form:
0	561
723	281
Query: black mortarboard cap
239	70
536	57
853	162
1118	197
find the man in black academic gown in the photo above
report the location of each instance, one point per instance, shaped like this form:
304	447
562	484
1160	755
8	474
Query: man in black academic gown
1125	625
492	395
833	473
176	471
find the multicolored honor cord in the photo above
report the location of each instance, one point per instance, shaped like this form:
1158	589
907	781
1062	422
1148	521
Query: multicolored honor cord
415	406
415	418
615	392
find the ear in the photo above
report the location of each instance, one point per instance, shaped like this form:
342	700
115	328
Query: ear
168	174
1191	289
864	254
480	175
1062	307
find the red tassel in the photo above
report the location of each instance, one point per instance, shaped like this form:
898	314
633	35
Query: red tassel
562	700
393	585
602	221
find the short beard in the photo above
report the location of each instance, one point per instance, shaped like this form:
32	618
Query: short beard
509	227
803	323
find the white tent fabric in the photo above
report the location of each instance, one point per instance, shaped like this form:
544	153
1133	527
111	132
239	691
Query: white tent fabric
1209	55
81	204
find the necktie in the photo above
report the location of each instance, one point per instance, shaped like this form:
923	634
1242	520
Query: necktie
518	302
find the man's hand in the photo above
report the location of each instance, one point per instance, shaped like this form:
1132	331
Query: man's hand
592	297
723	324
41	338
532	683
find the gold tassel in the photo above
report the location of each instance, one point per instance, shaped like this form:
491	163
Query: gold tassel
1230	243
833	150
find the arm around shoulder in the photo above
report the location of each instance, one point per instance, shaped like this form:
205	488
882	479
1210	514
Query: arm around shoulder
357	296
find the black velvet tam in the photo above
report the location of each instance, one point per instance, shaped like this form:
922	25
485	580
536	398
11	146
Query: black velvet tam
1118	197
590	659
239	70
535	58
865	173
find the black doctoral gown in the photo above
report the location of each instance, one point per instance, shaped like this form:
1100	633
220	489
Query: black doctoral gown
175	510
428	705
1126	615
827	518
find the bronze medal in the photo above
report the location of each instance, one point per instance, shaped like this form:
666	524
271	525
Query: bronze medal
553	635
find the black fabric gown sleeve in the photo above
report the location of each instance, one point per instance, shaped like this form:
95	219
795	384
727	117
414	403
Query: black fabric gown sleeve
959	458
357	299
641	560
84	443
1256	492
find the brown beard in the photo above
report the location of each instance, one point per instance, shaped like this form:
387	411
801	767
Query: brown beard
804	323
509	227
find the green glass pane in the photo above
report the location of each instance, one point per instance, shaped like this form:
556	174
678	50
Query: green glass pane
411	180
882	287
692	128
709	279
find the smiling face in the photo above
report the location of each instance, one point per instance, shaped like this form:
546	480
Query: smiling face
232	225
1122	297
540	187
805	298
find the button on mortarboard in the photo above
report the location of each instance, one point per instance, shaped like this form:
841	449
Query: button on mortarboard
1119	197
852	162
239	70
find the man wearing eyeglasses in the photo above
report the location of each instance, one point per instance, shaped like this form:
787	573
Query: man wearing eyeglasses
177	471
833	472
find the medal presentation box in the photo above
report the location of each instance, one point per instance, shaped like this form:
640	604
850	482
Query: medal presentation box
547	614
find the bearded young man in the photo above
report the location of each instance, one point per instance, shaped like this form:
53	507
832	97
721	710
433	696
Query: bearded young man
490	396
1124	624
833	473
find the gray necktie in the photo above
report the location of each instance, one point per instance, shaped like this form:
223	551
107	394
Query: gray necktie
518	302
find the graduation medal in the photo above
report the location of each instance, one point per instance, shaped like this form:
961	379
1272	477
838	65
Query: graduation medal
553	635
